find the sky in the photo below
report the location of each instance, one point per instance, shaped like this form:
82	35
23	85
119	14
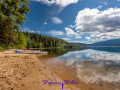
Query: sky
83	21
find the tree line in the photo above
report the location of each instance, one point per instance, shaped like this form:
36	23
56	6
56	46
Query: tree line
41	41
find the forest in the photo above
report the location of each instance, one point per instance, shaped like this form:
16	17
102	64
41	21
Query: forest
12	16
42	41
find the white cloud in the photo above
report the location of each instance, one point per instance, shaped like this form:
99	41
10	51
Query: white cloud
25	29
72	26
66	39
45	23
55	32
103	36
60	10
99	6
56	20
57	2
76	41
99	24
71	33
105	3
95	21
77	36
118	0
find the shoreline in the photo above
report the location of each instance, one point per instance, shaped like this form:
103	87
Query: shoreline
25	72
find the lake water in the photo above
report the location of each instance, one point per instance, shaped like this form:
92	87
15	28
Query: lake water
94	69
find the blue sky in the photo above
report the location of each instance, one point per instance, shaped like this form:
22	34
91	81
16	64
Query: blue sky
84	21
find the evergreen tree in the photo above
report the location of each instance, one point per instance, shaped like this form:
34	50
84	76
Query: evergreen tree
20	41
12	14
41	41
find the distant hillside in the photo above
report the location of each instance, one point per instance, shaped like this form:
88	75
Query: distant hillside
79	44
113	42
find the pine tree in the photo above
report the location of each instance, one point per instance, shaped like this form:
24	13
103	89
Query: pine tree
12	15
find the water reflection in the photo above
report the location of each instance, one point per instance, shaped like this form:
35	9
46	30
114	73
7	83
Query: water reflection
89	66
103	56
93	66
93	72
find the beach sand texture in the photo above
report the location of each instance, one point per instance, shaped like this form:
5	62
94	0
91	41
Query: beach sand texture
24	72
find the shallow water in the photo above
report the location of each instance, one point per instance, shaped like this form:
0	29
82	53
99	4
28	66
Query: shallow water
93	69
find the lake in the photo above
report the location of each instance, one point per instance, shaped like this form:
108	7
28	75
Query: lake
96	68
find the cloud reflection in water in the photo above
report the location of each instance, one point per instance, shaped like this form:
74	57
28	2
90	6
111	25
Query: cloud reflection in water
95	66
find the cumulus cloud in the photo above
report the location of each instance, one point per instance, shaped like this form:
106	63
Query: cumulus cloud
104	24
62	3
55	32
103	36
72	26
71	33
93	20
56	20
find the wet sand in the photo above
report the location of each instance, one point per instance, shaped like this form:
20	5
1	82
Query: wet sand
24	72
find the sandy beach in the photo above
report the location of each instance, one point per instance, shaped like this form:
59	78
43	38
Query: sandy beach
27	72
24	72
